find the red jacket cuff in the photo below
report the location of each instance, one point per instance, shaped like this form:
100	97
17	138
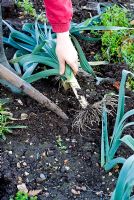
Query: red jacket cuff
60	28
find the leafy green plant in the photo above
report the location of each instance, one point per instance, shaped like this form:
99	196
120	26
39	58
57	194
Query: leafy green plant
23	196
125	182
110	145
130	83
60	143
112	40
127	50
27	6
115	16
28	9
37	46
5	122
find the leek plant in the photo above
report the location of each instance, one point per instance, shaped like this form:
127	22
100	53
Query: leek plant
36	45
125	182
110	145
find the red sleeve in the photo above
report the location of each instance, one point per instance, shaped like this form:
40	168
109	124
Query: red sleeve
59	14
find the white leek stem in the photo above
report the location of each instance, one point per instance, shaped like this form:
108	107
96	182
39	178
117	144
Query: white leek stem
76	87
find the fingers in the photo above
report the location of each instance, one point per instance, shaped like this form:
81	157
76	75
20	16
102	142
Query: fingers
74	66
62	66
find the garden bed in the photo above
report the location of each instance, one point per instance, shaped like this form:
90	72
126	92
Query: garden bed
34	156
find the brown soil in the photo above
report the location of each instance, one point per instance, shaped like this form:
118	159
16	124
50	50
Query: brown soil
32	155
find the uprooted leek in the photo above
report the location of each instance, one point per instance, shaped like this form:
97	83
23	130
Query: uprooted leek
39	48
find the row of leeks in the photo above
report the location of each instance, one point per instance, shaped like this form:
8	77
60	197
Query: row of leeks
110	145
36	45
125	182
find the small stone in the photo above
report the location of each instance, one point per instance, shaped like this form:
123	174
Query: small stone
26	173
24	116
18	165
42	176
99	193
10	152
92	52
20	102
116	170
110	174
83	188
65	169
97	164
44	154
74	141
22	188
65	162
23	157
24	164
75	192
27	180
19	179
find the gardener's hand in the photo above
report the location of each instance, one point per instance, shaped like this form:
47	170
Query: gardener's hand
66	53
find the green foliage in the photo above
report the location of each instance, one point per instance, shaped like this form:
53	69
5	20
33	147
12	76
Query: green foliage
128	53
125	182
112	40
23	196
110	145
5	122
115	16
130	83
60	143
36	45
28	9
27	6
111	44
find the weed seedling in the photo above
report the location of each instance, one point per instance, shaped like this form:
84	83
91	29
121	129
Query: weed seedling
60	144
5	122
